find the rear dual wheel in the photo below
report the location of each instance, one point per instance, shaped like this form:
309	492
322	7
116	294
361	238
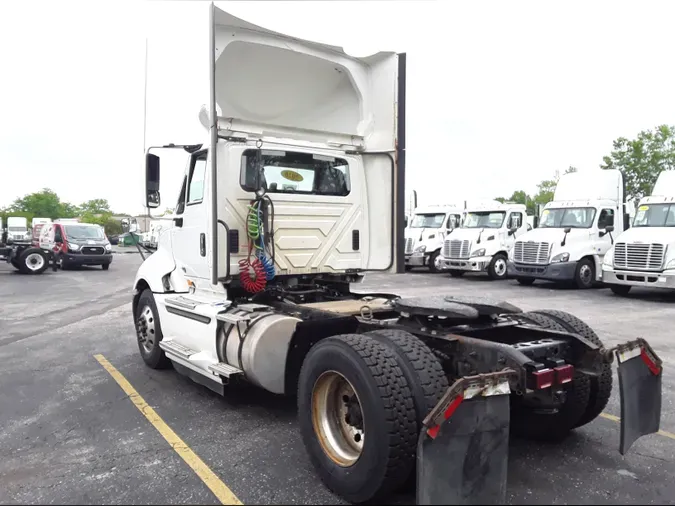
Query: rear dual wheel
361	400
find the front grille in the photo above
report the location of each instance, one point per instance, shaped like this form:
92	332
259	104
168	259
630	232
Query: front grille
453	248
92	250
644	257
531	252
409	245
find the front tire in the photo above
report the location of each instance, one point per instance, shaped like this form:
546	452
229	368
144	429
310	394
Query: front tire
620	289
105	267
497	267
584	276
525	281
433	259
33	261
456	273
356	417
149	332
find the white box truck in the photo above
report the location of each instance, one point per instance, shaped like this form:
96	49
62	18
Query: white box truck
644	255
575	230
17	229
425	233
296	193
483	242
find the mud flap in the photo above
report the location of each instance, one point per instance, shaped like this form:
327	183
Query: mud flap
462	451
640	376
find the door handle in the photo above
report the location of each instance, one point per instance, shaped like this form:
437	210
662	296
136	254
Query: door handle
178	222
202	244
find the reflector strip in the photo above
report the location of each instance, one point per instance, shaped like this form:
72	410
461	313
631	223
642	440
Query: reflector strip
433	431
655	369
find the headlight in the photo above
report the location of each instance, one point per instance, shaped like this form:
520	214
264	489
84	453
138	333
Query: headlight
108	247
608	259
560	257
420	249
73	247
478	253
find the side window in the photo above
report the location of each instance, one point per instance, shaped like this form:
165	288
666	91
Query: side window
195	192
294	172
515	220
58	237
606	218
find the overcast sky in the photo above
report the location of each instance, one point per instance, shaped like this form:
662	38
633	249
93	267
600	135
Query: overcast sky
500	94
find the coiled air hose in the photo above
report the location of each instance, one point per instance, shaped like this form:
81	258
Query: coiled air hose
254	274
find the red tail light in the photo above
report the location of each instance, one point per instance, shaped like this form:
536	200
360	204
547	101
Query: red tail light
564	374
543	378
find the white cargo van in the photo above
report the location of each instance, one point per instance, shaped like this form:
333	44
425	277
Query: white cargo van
574	232
644	255
425	233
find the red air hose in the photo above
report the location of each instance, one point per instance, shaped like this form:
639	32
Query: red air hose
255	283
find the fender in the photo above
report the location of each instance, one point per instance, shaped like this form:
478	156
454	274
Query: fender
154	269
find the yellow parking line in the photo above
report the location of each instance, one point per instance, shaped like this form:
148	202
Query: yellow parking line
219	489
613	418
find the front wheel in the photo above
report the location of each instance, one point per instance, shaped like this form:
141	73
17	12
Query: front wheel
497	267
105	267
457	274
620	289
357	417
33	261
149	332
435	264
584	277
525	281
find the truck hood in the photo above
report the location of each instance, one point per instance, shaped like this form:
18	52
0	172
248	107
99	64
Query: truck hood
471	234
555	235
320	92
662	235
423	234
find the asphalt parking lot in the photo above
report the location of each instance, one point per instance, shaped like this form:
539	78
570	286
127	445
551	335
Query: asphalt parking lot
70	434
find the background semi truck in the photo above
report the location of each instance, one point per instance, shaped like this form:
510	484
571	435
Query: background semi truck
296	193
644	255
425	233
575	230
17	229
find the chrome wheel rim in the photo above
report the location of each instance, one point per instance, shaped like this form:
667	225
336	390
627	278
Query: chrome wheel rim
500	267
585	274
145	328
438	263
338	418
35	261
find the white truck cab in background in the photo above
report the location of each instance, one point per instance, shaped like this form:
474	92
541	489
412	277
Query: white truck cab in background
644	255
484	240
17	229
426	232
575	230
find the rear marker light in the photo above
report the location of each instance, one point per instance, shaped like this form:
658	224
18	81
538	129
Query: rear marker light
564	374
544	378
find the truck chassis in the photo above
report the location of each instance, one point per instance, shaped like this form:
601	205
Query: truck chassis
26	258
358	361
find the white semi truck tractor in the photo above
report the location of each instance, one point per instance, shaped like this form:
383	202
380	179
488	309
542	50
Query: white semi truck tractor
426	232
575	231
298	192
483	242
644	255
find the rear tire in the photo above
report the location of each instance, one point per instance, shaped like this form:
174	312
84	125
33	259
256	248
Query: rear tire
529	422
584	276
601	386
456	273
620	289
384	409
422	370
33	261
525	281
105	267
497	268
149	332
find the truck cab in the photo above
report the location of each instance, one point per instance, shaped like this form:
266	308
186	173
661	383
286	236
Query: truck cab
644	255
425	233
575	231
17	229
484	240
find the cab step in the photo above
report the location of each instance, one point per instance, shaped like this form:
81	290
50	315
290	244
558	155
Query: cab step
226	370
182	302
177	349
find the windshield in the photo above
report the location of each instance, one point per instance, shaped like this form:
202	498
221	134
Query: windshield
655	215
16	229
84	232
572	217
484	219
434	220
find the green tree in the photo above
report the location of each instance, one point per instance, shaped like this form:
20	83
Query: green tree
96	206
642	159
44	204
545	191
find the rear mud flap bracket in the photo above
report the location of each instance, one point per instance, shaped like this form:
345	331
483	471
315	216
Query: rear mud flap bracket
462	452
